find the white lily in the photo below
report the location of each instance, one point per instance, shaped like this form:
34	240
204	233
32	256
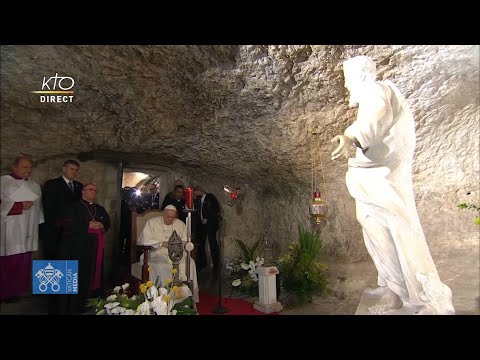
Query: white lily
111	306
159	306
152	293
125	286
118	310
144	308
163	291
117	289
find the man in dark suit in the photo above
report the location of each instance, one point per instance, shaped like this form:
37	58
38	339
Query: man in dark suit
151	198
57	196
177	199
208	216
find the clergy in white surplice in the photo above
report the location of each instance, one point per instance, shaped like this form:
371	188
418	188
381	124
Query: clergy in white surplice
21	213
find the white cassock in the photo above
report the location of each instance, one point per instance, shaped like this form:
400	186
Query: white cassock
153	234
380	180
19	233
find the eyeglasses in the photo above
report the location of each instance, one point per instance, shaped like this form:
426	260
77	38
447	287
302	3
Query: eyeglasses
91	190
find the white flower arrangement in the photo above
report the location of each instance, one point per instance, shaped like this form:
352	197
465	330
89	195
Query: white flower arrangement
245	275
152	300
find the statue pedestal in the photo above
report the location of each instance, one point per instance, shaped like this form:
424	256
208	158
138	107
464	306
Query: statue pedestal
267	283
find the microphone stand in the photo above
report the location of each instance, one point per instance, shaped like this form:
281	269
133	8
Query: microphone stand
189	281
220	309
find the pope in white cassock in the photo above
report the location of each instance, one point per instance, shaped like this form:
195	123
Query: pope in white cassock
156	233
21	213
379	177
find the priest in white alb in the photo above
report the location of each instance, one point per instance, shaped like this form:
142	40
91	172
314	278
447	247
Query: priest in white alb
21	213
156	233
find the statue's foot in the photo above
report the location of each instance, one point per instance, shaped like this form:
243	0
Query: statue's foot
386	300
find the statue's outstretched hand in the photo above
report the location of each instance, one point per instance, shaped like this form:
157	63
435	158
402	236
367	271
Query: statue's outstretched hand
345	144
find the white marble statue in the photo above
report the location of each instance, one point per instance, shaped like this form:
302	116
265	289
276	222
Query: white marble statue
379	177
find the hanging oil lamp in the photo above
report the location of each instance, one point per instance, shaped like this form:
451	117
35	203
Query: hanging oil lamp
318	206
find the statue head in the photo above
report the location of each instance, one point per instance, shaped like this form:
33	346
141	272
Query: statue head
358	71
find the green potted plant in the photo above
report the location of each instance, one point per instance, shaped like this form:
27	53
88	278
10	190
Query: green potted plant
301	273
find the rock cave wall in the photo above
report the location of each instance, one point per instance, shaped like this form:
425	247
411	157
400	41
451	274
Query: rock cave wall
245	114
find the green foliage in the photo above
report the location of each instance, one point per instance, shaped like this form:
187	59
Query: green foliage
465	206
300	271
247	251
185	307
123	299
310	245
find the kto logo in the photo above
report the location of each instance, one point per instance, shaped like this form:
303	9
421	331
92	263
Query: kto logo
55	277
61	86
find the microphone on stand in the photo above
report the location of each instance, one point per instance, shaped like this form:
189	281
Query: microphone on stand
220	309
189	209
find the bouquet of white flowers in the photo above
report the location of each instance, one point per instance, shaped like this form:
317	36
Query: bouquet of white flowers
242	269
152	300
244	275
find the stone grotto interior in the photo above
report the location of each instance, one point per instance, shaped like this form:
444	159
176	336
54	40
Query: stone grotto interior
256	122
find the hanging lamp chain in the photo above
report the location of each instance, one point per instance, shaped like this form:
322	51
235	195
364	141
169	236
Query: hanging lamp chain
313	165
322	171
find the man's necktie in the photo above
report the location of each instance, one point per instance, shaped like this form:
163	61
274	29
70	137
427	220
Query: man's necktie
70	185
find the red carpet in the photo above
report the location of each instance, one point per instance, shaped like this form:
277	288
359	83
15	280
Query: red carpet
235	306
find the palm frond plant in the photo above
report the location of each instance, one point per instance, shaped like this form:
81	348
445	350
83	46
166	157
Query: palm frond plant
247	251
301	272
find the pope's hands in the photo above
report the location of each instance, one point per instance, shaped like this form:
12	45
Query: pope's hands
27	205
344	148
